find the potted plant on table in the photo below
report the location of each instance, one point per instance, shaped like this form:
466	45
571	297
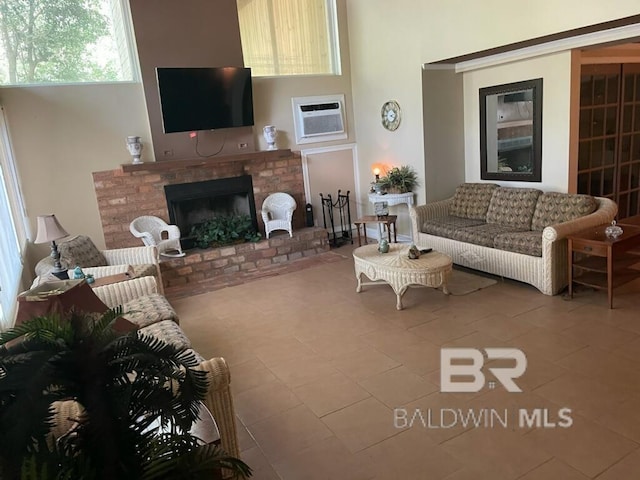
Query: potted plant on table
79	400
399	180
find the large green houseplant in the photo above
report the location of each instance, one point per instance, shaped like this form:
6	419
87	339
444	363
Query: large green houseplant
124	384
399	180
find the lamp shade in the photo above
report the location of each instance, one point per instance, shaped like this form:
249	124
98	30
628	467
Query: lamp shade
49	229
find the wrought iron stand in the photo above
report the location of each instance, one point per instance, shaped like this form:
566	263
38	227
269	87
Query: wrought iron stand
343	217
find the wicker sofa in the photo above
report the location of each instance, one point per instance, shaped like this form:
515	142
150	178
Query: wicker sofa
144	306
518	233
151	313
81	251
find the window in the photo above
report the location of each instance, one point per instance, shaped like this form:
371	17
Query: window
13	230
65	41
284	37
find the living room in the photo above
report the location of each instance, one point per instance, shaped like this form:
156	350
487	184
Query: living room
95	118
62	134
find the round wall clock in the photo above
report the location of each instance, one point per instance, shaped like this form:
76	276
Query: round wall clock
391	115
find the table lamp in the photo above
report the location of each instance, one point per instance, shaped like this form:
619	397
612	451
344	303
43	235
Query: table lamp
50	230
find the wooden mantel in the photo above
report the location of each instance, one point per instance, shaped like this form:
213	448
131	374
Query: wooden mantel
167	165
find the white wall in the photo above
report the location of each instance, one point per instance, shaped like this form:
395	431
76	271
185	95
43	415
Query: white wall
60	135
443	132
457	27
555	71
385	40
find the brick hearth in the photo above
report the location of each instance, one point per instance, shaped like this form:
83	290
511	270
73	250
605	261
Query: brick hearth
134	190
205	270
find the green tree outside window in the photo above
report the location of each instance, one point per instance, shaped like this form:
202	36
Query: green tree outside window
55	41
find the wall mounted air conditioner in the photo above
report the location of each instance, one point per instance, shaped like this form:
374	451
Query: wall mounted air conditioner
319	119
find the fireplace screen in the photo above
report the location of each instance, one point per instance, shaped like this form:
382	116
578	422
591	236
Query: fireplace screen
191	204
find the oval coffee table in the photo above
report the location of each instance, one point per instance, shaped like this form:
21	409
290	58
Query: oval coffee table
432	269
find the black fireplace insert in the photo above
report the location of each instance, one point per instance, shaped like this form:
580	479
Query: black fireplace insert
191	204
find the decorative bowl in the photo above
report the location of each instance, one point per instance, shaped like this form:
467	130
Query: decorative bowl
613	230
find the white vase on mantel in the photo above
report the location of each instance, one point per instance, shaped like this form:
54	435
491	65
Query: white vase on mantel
134	145
270	132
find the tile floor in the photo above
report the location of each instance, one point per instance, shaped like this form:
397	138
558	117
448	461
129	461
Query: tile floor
317	371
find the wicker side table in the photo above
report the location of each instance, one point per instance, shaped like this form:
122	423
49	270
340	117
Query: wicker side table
396	269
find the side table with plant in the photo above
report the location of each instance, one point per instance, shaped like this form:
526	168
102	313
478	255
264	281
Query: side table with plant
399	180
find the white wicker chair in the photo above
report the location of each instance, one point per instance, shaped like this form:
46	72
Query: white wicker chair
151	229
277	212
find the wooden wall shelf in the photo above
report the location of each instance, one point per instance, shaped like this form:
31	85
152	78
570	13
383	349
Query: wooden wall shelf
166	165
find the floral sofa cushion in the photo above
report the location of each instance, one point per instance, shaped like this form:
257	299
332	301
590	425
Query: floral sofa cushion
482	234
556	207
169	332
529	243
144	270
448	226
471	200
149	309
513	207
80	250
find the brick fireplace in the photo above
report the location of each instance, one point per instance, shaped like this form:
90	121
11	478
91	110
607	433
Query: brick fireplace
134	190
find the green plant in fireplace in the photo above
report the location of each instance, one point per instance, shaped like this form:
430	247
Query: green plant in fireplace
225	230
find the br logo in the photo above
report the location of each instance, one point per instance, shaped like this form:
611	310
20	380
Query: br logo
469	363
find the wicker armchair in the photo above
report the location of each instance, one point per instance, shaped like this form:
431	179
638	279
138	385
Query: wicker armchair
152	231
277	212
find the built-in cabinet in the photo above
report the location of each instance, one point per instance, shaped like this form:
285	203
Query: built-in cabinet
608	156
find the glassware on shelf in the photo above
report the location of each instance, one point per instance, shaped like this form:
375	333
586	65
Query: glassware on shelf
613	230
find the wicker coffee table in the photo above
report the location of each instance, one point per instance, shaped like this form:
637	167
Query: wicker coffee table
432	269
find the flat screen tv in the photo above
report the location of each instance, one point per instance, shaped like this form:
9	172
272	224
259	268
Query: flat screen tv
205	98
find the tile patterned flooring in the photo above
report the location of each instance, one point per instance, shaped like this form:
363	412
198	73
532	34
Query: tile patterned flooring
317	371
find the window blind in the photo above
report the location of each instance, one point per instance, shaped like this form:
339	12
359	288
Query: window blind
281	37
